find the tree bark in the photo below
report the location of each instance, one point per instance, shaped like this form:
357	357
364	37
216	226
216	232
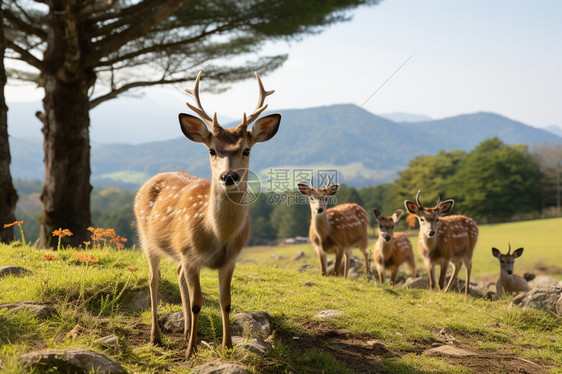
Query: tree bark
66	121
8	195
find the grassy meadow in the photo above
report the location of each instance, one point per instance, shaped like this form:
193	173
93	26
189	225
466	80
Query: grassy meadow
381	329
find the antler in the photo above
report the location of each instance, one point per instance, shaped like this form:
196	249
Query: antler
260	107
328	181
509	250
438	198
418	199
198	108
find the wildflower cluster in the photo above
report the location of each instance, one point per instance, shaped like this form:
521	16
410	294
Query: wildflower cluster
86	258
61	234
100	235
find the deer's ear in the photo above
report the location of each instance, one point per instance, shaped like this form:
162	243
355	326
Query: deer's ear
517	252
331	190
496	252
445	207
378	214
194	128
265	128
304	189
411	207
396	215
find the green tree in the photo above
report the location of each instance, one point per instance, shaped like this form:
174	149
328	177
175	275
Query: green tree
378	197
261	227
348	194
8	195
290	220
90	51
496	181
430	174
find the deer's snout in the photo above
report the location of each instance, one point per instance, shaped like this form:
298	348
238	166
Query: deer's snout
509	271
230	179
387	238
319	210
431	233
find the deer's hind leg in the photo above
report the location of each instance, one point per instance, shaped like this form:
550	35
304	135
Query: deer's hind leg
184	301
456	268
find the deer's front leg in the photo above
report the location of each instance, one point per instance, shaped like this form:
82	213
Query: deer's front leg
337	264
443	274
347	259
456	268
431	272
225	279
322	257
196	302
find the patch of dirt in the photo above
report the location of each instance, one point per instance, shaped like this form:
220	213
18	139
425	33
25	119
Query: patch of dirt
364	355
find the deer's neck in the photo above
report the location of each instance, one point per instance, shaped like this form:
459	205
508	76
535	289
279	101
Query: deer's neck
429	243
227	214
385	247
319	224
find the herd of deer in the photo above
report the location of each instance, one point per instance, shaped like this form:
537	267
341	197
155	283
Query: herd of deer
201	223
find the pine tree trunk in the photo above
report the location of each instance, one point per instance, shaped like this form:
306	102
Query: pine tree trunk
66	121
8	195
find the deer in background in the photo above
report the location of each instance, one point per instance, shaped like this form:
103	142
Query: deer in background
392	249
444	239
200	223
509	282
335	230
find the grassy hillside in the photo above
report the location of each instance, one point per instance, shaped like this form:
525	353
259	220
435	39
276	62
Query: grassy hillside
540	238
380	330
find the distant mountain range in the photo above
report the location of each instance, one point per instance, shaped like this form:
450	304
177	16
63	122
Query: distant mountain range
365	148
405	117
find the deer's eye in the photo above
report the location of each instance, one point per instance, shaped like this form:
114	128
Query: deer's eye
422	219
212	152
380	227
246	152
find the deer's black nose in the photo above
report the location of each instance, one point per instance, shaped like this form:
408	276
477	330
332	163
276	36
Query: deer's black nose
509	272
431	233
387	238
230	178
319	210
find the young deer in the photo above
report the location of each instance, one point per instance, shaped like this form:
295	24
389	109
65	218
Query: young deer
201	223
509	282
444	239
335	230
392	249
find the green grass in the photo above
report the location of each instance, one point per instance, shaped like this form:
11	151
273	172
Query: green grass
540	238
405	322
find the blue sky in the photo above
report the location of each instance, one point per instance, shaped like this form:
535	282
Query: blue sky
468	56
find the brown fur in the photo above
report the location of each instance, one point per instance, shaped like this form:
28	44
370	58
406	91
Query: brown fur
454	241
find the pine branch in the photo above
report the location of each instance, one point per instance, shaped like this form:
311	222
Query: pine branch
88	10
23	26
109	45
25	55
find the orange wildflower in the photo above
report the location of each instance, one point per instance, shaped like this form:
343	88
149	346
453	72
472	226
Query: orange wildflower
62	233
49	257
13	224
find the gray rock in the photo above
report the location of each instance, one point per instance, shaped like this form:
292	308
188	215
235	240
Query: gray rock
37	309
448	351
276	257
543	298
15	271
417	283
172	322
328	313
256	345
544	281
109	340
298	256
221	368
73	360
255	324
303	268
309	284
559	307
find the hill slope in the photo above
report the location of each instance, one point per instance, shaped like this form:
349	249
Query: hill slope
365	148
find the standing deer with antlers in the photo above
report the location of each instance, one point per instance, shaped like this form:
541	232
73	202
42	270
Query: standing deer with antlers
200	223
444	239
392	249
509	282
335	230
